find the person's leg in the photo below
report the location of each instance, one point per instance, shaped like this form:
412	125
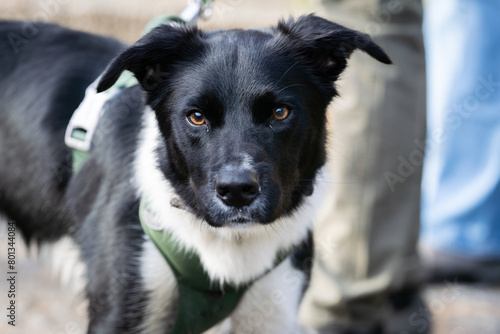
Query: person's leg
365	237
461	185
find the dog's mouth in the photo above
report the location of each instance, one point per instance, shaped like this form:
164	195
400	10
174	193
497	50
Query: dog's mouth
238	220
245	219
235	217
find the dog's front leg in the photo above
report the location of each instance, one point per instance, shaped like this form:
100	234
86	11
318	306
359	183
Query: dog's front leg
270	304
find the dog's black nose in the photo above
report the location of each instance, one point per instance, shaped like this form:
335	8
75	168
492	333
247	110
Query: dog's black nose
237	188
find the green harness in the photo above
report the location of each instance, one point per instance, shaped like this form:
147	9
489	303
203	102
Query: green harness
202	303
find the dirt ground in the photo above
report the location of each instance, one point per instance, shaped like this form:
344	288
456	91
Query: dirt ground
45	306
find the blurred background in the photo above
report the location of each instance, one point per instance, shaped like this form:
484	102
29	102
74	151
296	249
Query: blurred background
126	19
46	305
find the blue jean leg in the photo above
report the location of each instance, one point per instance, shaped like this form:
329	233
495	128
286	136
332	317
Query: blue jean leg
461	182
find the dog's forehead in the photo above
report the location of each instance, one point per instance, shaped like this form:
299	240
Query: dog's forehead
246	53
244	60
229	40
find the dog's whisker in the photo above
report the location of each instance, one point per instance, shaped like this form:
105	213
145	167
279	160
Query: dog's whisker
292	85
276	231
286	72
267	230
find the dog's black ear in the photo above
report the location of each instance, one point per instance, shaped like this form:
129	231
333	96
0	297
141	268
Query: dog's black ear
148	59
328	45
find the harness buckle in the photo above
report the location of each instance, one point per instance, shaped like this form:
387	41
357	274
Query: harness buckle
84	121
196	9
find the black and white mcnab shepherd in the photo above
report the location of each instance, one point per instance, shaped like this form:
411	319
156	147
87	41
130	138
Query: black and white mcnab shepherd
223	139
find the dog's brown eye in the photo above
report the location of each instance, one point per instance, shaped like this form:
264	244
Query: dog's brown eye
280	113
196	118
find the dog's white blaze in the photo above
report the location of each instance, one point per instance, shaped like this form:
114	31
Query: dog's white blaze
247	162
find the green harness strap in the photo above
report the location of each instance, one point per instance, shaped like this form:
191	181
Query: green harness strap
79	156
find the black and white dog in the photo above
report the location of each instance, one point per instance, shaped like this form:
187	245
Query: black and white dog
223	138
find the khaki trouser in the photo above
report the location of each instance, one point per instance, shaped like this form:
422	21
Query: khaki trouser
366	235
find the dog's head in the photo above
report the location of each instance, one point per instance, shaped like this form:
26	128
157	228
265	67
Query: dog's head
242	113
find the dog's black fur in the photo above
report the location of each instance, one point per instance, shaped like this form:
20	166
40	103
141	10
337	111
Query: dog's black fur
241	166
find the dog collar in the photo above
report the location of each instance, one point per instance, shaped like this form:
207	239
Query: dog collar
201	303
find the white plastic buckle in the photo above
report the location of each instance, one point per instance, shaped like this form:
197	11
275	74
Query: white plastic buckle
86	116
196	9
